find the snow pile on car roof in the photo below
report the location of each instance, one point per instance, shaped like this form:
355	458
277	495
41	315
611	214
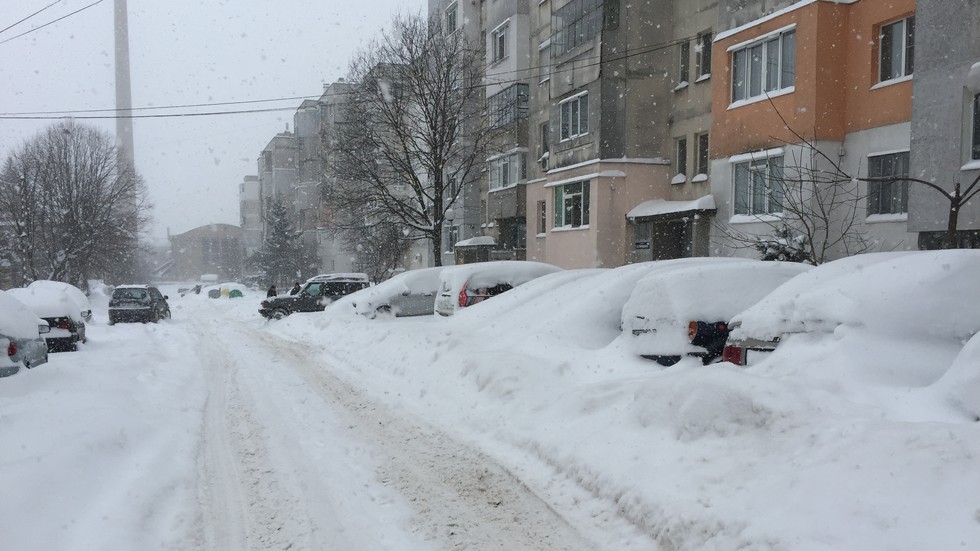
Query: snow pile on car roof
16	320
903	293
48	303
75	293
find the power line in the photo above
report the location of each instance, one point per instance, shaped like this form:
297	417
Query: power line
97	2
80	114
5	29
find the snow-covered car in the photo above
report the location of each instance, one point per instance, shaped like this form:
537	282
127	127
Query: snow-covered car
468	284
683	308
897	314
315	295
410	293
76	294
60	310
21	336
138	303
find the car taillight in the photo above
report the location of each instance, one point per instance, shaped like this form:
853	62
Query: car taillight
64	324
732	354
11	348
462	297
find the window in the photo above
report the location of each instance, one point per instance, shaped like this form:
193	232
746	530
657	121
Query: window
702	153
542	210
888	197
574	116
765	66
544	62
574	24
451	19
572	205
545	146
499	44
759	186
896	44
680	150
684	63
507	170
975	149
507	106
702	56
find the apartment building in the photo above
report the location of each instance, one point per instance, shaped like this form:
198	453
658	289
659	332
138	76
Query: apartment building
506	28
602	109
467	217
250	214
810	89
945	118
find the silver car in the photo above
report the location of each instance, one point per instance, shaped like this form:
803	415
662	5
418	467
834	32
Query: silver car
21	340
410	293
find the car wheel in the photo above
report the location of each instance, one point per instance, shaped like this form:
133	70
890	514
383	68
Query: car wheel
279	314
383	310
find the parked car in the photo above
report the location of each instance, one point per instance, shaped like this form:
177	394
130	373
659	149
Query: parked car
61	312
468	284
410	293
21	336
76	294
683	309
138	303
315	295
893	314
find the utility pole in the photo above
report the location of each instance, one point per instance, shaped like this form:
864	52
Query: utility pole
124	96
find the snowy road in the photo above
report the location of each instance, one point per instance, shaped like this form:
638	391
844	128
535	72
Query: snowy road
514	425
284	438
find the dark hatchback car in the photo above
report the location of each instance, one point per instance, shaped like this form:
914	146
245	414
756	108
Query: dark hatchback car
141	303
315	295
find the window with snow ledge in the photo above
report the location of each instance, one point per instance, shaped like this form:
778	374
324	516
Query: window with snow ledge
765	66
679	179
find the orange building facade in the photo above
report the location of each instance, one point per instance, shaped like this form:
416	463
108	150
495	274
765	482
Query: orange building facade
805	101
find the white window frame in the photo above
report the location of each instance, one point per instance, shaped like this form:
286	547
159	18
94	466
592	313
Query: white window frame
569	198
508	170
452	9
764	47
573	119
760	183
498	41
905	61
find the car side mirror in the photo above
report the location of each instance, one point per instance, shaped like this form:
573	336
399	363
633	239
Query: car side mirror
405	293
166	297
43	328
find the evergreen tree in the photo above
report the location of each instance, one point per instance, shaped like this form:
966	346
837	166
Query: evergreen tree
282	256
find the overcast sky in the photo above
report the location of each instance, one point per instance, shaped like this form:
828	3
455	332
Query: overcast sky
184	52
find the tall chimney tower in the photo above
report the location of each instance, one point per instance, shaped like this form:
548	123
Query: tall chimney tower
124	95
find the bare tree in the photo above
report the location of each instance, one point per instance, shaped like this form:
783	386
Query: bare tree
819	211
411	130
68	209
378	248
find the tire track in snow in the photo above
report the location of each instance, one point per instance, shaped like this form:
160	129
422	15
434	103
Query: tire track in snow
462	498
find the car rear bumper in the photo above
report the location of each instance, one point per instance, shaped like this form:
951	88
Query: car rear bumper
130	314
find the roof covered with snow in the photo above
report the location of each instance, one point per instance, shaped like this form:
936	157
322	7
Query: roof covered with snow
660	207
